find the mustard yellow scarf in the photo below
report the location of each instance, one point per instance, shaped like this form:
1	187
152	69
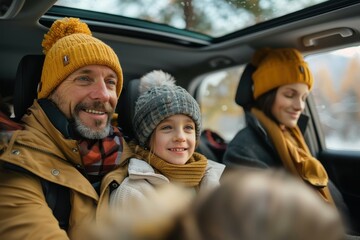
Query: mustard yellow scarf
295	154
188	174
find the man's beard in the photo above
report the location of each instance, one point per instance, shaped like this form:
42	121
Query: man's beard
86	131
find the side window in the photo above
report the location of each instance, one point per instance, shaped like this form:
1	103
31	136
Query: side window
337	96
216	96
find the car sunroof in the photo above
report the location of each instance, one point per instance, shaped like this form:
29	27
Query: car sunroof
211	18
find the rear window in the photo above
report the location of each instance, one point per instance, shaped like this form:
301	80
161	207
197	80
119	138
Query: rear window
216	96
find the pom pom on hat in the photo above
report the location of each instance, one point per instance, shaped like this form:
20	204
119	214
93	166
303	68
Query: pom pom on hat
277	67
160	98
156	78
62	28
68	46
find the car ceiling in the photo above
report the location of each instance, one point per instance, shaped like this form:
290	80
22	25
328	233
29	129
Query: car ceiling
23	34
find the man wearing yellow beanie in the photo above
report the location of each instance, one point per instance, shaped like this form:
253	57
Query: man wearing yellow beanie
282	81
57	173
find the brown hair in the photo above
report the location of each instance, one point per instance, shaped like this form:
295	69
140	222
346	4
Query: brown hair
265	103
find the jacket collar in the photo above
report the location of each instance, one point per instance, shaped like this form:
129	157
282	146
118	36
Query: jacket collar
57	118
38	122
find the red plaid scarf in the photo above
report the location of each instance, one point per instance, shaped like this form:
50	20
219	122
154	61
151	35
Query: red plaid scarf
100	156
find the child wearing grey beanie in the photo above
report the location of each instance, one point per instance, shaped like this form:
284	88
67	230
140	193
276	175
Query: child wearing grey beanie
167	126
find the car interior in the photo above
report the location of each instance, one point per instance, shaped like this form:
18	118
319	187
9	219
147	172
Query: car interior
191	57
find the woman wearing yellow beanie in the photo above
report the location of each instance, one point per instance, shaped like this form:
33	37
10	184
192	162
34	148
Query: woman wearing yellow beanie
281	83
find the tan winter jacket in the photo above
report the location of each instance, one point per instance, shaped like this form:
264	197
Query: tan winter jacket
42	150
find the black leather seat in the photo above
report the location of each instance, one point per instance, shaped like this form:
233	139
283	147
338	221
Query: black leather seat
244	93
126	107
27	79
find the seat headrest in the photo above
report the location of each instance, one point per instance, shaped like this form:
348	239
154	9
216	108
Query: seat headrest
27	78
126	107
244	94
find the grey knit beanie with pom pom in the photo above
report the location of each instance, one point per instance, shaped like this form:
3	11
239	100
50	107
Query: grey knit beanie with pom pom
160	98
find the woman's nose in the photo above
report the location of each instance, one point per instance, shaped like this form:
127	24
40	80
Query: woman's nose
299	104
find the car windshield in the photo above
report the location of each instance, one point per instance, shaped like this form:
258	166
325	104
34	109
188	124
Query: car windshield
212	18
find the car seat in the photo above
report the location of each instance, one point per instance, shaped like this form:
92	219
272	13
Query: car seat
126	107
27	78
214	142
244	93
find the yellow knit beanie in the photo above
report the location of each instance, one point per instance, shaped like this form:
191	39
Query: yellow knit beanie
277	67
69	46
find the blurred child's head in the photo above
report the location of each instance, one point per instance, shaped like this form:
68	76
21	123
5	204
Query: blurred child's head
262	204
166	116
